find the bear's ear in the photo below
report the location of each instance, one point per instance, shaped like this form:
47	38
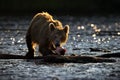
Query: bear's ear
51	26
66	28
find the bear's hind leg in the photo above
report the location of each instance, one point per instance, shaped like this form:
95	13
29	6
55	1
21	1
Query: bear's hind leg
30	53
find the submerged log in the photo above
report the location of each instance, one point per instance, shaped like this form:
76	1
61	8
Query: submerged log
10	56
110	55
98	50
76	59
61	59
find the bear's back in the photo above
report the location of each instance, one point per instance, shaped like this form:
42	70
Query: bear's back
43	17
39	27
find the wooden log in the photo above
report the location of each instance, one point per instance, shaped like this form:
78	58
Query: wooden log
98	50
10	56
110	55
76	59
61	59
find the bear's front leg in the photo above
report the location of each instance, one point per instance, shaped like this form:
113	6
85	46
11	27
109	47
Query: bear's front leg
30	53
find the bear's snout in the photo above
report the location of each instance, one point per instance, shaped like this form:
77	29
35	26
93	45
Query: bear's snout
57	44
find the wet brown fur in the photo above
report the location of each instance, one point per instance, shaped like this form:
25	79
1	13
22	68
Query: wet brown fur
39	34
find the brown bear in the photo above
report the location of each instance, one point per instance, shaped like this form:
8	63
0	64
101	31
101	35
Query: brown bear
47	33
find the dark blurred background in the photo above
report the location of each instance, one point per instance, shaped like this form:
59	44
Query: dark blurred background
70	7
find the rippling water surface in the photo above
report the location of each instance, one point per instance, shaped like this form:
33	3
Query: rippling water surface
85	33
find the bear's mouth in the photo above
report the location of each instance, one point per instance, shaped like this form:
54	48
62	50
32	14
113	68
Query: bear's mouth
54	45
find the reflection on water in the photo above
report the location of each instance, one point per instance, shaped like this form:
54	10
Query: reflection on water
85	33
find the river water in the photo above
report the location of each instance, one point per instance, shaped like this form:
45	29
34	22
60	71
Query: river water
101	32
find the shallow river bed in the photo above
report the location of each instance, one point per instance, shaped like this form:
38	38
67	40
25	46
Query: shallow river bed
85	33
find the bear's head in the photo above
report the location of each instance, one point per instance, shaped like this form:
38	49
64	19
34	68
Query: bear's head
58	35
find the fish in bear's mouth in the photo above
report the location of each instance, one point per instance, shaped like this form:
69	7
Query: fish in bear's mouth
60	51
57	49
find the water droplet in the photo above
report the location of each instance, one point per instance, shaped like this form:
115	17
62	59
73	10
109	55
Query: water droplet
103	39
78	35
13	42
108	41
113	36
109	38
118	33
82	27
78	27
2	39
94	35
99	40
73	38
92	25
